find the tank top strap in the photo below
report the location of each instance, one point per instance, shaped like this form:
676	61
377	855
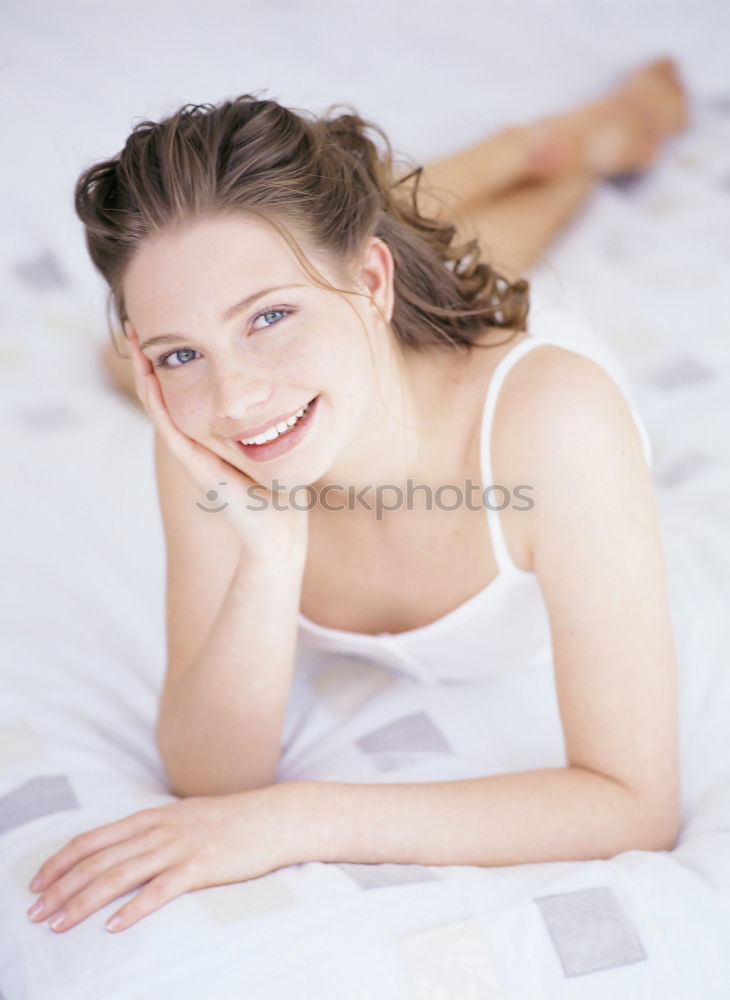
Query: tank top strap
495	497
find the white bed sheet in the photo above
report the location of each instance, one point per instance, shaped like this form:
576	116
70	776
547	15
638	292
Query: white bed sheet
81	627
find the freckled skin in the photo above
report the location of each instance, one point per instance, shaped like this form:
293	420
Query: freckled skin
290	345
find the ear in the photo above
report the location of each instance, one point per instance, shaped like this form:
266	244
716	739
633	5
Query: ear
376	273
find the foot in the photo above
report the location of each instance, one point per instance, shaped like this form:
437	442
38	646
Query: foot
620	133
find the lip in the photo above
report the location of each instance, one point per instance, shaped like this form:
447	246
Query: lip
284	443
272	422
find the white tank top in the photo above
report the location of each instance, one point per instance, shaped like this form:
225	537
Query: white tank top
504	627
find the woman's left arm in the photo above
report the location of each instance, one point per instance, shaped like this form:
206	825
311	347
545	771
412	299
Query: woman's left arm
599	558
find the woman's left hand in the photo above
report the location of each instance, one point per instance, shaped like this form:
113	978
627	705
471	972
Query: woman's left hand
189	844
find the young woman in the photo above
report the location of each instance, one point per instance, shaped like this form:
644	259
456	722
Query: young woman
309	337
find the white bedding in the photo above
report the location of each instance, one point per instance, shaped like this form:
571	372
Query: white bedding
81	610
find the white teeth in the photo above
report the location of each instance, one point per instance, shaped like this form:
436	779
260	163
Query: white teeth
278	429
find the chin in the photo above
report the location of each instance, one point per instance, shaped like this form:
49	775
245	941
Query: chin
310	471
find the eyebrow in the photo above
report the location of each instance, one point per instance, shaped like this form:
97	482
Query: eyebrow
229	314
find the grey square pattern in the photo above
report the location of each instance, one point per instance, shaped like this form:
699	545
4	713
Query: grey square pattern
43	271
38	797
415	732
681	370
688	465
590	931
381	875
46	417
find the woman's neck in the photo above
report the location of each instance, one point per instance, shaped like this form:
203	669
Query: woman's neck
415	430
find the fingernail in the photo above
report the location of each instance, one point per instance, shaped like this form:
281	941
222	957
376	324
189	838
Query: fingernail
57	921
113	922
35	884
36	910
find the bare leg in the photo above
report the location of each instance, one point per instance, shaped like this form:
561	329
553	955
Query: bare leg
514	229
479	173
619	133
516	189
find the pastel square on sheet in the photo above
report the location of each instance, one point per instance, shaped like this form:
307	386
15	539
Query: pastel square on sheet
415	732
682	369
590	931
42	271
38	797
380	875
256	897
48	416
680	470
450	961
18	741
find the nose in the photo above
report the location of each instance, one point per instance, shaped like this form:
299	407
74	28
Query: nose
236	395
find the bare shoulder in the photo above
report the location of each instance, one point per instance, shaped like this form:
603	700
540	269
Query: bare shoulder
552	391
559	413
549	369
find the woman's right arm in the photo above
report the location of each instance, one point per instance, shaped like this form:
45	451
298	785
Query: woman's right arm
234	578
231	640
221	717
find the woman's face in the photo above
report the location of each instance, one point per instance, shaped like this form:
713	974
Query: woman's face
223	374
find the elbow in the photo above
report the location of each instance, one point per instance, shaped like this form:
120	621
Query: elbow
176	783
665	836
660	838
657	829
185	782
648	836
186	790
197	769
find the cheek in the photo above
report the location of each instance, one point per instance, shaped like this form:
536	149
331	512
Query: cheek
337	361
188	410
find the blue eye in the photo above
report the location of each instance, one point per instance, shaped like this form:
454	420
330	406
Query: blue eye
163	361
271	312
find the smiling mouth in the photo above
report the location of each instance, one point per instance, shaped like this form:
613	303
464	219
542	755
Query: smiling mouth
278	430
